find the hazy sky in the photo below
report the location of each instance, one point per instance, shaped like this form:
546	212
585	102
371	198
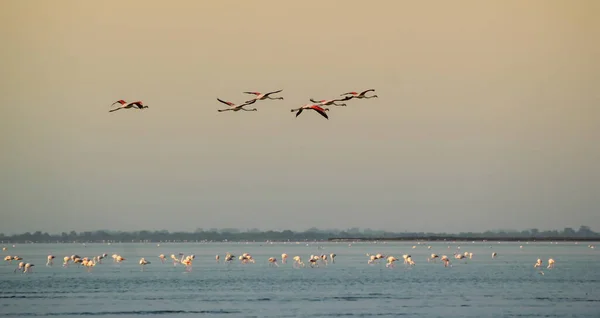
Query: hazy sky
488	116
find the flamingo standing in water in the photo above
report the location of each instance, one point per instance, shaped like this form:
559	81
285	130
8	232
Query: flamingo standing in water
332	257
27	268
273	262
316	108
20	267
390	262
550	263
143	262
494	254
360	95
8	259
298	262
188	263
260	96
235	108
217	257
284	258
50	261
538	263
89	264
162	258
125	105
327	102
446	260
324	259
433	258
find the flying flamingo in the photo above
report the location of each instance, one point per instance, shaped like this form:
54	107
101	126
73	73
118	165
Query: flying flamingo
316	108
235	107
327	102
126	105
361	95
260	96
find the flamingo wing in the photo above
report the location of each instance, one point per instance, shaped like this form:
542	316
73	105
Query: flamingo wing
275	92
225	102
120	101
351	93
368	90
299	112
320	111
139	104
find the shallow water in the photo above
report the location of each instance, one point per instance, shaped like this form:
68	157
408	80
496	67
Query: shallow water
508	286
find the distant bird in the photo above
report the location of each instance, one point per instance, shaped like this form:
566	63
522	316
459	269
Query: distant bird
235	107
361	95
126	105
316	108
260	96
327	102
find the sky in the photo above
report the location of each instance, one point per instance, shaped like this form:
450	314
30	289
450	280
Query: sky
488	115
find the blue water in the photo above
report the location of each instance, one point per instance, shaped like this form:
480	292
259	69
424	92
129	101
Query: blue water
508	286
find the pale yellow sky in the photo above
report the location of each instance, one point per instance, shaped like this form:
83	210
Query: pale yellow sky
488	115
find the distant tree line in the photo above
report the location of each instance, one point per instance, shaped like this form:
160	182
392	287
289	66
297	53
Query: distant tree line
312	234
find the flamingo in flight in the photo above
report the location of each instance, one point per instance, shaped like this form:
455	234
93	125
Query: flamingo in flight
325	102
316	108
235	107
261	96
361	95
126	105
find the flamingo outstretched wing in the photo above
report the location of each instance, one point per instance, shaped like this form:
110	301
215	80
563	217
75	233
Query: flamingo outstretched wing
225	102
368	90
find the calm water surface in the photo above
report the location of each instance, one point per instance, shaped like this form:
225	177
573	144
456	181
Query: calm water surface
507	286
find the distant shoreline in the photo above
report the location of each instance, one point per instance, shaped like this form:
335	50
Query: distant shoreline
466	239
437	239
